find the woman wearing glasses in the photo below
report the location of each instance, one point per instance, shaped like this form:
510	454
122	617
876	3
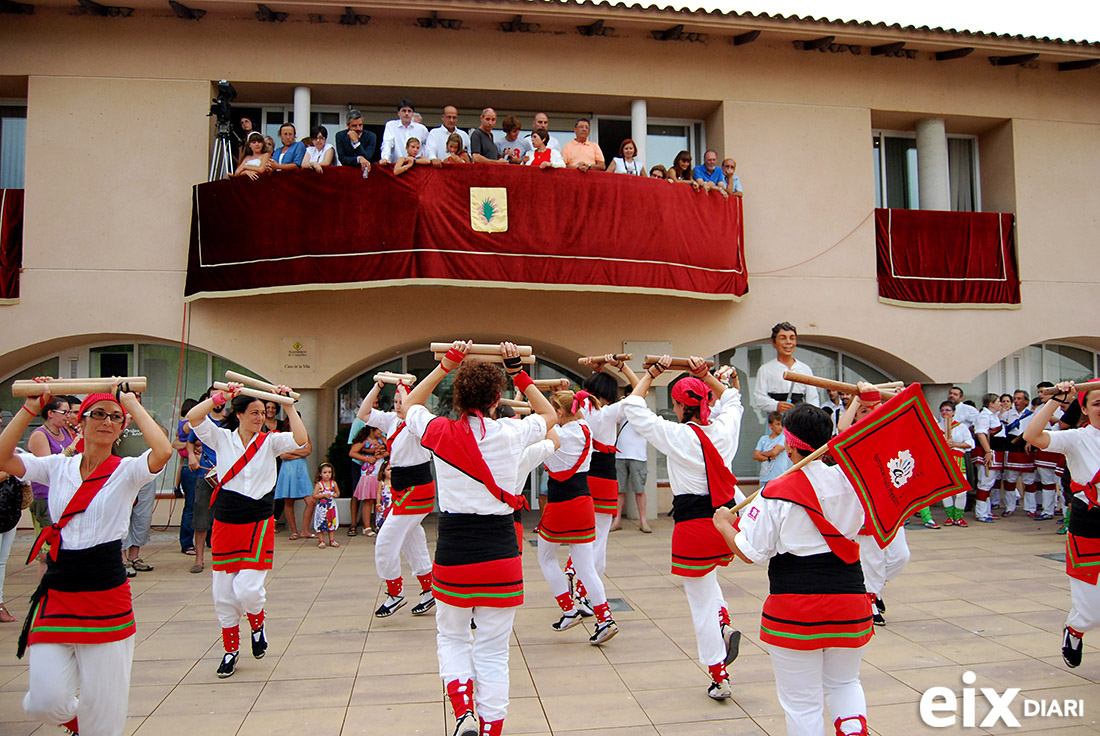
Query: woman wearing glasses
80	629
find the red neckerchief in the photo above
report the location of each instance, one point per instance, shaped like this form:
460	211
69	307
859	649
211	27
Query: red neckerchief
720	479
797	489
1088	488
567	474
390	440
249	453
453	442
78	504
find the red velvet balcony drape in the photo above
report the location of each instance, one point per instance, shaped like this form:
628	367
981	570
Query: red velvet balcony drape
946	259
568	230
11	243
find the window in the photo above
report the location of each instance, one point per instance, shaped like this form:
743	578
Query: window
1025	368
13	145
896	176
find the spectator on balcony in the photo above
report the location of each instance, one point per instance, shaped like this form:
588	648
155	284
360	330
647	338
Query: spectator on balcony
456	152
321	153
269	145
543	156
398	132
581	153
240	145
483	150
509	148
436	148
680	171
658	172
709	175
254	161
540	122
625	162
289	155
355	146
733	183
411	158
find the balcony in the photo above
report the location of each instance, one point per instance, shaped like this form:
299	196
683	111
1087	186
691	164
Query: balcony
464	225
11	244
947	260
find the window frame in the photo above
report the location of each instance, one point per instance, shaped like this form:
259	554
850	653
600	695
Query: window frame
879	135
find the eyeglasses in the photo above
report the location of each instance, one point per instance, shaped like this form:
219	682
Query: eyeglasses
99	415
64	412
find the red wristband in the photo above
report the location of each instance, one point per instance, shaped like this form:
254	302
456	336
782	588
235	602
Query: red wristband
218	399
444	368
871	397
33	414
522	381
454	355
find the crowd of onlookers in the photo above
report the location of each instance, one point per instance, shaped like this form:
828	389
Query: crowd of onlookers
407	142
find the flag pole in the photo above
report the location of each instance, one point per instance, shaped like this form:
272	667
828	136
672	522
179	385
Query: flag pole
797	466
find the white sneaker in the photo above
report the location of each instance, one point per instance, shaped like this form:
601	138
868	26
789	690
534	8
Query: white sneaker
732	639
426	604
467	725
720	690
584	607
567	621
603	632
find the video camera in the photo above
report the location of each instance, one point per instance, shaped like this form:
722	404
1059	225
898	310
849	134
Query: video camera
220	104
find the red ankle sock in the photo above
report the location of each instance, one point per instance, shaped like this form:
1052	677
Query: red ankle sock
724	616
581	592
565	602
395	586
71	725
569	567
718	672
231	639
1075	632
461	695
256	620
603	612
492	728
862	724
425	582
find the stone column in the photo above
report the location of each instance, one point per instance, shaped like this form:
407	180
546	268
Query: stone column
301	112
932	171
639	127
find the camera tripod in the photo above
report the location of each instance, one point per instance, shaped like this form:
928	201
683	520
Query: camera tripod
221	160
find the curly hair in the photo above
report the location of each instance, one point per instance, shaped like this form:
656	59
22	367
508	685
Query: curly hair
477	385
564	400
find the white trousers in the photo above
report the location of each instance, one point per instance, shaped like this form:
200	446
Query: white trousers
101	672
584	564
481	655
603	528
807	681
7	539
401	535
957	501
987	481
238	593
1084	613
705	601
882	565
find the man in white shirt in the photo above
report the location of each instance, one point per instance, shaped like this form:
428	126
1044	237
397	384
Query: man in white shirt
772	392
435	150
631	470
964	413
540	122
399	131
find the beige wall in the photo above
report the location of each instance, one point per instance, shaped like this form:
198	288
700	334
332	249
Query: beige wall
117	136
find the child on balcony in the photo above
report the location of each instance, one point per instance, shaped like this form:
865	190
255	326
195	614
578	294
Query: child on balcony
325	518
456	151
412	148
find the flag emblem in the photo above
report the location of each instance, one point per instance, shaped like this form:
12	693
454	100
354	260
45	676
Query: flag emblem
489	209
901	468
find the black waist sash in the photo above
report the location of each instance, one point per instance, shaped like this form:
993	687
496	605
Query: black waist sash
464	539
821	574
792	398
688	506
998	444
603	465
566	490
233	508
407	476
1082	522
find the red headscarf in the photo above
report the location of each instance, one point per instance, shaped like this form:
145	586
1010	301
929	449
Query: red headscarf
87	404
691	391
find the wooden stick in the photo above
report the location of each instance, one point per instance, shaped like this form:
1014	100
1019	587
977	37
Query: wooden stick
59	386
549	384
257	394
797	466
407	379
599	359
479	348
677	363
826	383
490	358
521	410
515	403
256	383
890	385
1087	386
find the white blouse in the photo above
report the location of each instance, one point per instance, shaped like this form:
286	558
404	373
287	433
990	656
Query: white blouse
312	154
257	478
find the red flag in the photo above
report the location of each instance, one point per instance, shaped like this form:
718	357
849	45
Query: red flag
898	462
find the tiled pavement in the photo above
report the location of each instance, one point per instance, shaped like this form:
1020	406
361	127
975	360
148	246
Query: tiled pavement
981	599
